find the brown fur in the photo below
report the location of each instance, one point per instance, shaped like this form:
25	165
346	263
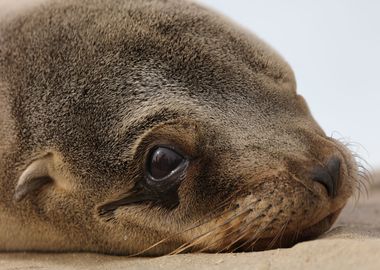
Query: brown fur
90	86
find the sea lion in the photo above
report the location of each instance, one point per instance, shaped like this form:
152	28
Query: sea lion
156	127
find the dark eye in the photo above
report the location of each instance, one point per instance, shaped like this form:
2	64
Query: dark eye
163	161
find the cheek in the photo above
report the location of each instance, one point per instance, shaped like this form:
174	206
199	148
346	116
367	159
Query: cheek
205	192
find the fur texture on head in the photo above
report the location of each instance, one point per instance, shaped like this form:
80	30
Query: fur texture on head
89	89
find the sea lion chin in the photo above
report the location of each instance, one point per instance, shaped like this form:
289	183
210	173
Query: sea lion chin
156	127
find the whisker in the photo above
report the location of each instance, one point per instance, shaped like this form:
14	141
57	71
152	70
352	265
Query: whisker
260	215
256	237
204	235
283	232
296	234
246	210
280	232
209	217
221	238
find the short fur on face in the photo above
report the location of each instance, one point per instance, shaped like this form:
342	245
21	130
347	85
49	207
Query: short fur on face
88	88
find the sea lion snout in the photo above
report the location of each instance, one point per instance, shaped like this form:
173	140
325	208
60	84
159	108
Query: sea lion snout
288	197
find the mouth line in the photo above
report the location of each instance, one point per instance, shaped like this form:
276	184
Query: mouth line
320	227
289	239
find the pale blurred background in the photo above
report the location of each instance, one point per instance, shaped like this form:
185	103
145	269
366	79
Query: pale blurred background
334	49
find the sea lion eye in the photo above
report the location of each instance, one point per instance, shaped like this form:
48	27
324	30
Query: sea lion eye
162	162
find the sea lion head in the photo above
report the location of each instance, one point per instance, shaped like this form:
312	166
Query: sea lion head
153	127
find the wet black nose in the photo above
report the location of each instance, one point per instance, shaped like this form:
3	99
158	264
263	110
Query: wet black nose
328	176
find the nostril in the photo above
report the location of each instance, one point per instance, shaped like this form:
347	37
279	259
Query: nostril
328	176
333	166
322	176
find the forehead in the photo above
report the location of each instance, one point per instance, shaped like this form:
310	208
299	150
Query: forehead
114	38
139	54
254	97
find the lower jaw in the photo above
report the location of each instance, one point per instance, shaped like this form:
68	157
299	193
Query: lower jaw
288	239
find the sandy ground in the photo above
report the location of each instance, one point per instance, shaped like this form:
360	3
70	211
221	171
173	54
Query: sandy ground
353	243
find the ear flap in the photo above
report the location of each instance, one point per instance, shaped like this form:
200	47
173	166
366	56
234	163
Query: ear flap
36	175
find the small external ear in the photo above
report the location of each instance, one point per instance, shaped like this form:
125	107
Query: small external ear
36	175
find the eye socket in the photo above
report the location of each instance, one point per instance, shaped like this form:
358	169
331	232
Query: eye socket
163	161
